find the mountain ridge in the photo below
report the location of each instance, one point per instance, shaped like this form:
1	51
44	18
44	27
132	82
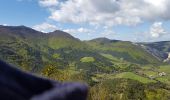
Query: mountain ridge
57	40
111	66
23	26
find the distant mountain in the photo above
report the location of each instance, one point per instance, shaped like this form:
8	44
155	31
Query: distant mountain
163	46
61	34
32	50
22	46
124	50
19	31
114	69
159	49
60	39
103	40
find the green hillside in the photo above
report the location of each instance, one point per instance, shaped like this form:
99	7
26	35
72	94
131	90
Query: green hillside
114	70
32	50
123	50
163	46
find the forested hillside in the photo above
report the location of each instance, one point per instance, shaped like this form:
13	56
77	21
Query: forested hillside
114	69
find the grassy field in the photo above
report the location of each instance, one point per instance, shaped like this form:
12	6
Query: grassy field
109	56
154	71
166	78
148	73
126	75
87	59
164	69
130	75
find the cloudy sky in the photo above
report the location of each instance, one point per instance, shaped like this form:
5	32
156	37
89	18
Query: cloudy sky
133	20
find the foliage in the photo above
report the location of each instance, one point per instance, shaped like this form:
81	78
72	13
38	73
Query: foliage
114	70
87	59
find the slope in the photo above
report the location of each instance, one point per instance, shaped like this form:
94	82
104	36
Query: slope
124	50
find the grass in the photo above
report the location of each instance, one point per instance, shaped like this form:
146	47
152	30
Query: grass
126	75
154	71
57	43
163	79
130	75
164	69
148	73
56	55
147	67
87	59
109	56
125	50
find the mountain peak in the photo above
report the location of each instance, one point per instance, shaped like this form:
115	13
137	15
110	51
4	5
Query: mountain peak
17	28
104	40
58	33
21	31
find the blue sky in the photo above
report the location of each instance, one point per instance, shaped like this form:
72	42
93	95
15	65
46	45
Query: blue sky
26	13
132	20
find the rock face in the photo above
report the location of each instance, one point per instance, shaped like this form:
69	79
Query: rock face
159	49
158	54
168	58
17	85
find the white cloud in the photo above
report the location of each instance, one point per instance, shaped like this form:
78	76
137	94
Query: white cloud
79	30
48	3
107	31
100	13
84	30
111	12
5	24
85	11
45	27
157	30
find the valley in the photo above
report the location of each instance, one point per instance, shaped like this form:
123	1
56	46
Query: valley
113	69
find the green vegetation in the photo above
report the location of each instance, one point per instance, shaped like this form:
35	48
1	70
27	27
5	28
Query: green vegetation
109	56
126	89
56	56
87	59
130	75
114	70
123	50
163	46
164	69
153	73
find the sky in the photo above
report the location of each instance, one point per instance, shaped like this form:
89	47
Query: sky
129	20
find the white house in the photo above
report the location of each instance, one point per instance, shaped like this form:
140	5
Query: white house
162	74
